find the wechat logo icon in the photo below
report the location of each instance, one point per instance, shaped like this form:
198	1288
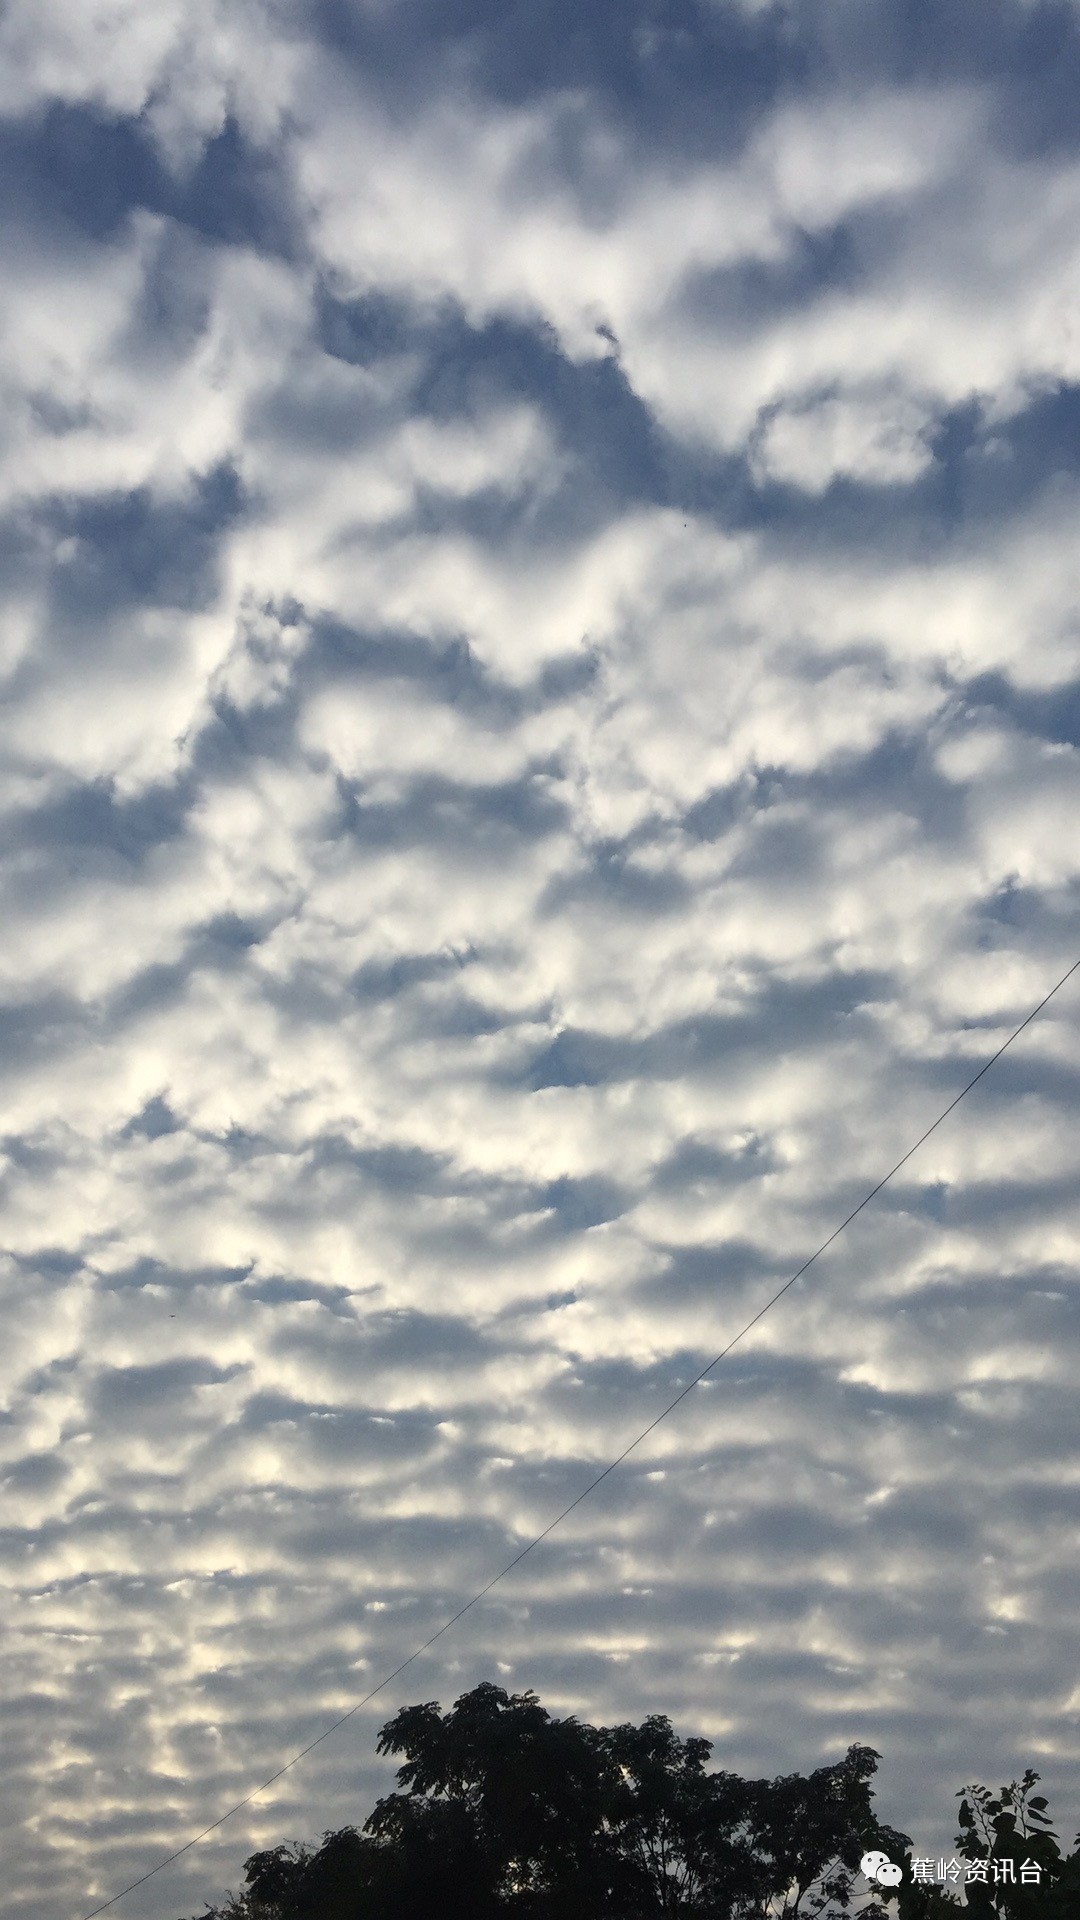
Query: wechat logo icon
878	1867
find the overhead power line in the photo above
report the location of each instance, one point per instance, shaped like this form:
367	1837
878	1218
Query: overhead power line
592	1485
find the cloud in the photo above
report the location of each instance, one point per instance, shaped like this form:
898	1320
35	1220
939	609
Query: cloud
878	444
540	708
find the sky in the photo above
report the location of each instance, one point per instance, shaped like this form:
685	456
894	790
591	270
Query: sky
541	707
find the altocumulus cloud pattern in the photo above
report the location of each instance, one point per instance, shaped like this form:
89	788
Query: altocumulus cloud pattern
540	725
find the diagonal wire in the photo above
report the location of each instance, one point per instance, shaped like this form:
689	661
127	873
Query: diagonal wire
598	1478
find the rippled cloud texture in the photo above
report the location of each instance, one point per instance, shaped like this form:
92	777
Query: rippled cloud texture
540	727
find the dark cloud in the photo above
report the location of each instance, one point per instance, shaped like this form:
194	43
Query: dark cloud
150	1272
1028	55
1049	713
977	475
35	1473
480	822
611	449
613	881
91	824
697	1162
694	1275
72	166
782	1015
395	1169
31	1029
128	549
134	1392
387	979
751	293
689	77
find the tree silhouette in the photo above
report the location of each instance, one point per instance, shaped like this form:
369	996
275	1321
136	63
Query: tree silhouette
503	1810
1014	1826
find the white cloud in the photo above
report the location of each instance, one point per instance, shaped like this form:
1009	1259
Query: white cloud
185	64
882	441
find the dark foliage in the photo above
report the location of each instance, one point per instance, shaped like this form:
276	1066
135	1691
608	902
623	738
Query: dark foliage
503	1810
1013	1826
